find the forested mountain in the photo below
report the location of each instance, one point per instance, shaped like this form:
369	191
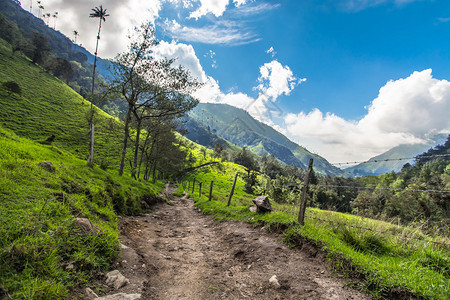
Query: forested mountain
238	127
378	165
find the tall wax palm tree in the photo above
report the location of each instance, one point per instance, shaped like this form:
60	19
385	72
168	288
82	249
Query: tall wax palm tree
48	18
55	16
75	34
98	12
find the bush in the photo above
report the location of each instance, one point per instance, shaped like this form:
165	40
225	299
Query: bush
12	87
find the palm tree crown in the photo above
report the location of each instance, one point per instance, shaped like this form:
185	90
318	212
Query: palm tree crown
99	12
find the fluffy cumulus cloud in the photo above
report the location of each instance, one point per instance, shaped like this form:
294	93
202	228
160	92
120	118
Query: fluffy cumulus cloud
276	79
74	15
408	110
215	7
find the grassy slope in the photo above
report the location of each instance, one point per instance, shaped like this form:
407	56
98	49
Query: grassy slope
38	238
48	106
391	263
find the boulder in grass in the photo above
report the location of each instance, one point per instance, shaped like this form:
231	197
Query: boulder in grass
87	226
262	204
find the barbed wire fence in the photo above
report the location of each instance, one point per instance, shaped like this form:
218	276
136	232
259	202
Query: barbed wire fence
305	187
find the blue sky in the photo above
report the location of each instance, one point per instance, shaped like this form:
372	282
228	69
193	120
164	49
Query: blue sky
348	79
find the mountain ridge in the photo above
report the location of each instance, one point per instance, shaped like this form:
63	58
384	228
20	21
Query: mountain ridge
394	159
240	128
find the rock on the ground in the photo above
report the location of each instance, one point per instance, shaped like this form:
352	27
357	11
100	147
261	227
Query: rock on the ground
87	226
274	281
116	279
91	294
121	296
262	204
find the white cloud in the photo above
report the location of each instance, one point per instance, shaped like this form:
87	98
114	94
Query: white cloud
407	110
226	33
184	55
74	15
276	80
271	51
216	7
358	5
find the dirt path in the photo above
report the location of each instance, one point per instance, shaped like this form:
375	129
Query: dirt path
175	252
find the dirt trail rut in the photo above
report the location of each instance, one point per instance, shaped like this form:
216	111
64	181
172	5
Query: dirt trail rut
175	252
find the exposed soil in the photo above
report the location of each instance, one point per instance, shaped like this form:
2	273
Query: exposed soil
175	252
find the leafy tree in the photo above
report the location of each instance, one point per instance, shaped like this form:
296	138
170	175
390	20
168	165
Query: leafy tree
246	158
151	88
41	48
98	12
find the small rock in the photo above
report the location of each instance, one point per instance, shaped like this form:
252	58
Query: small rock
70	267
121	296
116	279
91	294
274	281
87	226
123	246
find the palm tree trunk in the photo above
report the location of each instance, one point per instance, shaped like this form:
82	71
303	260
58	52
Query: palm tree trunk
90	162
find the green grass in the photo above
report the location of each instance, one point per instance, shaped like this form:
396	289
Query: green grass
390	260
38	239
47	106
39	242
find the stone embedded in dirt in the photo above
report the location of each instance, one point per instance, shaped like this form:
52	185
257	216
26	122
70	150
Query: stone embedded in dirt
116	279
87	226
91	294
47	165
262	204
121	296
274	281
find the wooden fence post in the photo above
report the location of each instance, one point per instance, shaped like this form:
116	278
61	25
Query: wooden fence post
232	189
301	212
200	190
193	186
210	189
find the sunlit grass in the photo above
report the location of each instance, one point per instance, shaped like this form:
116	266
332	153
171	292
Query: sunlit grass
389	258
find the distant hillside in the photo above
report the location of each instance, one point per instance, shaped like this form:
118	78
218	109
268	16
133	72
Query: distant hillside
25	25
238	127
376	165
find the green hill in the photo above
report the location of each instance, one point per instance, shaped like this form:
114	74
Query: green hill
45	186
241	129
46	106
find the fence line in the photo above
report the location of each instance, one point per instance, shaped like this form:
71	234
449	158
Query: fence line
390	159
328	221
380	188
